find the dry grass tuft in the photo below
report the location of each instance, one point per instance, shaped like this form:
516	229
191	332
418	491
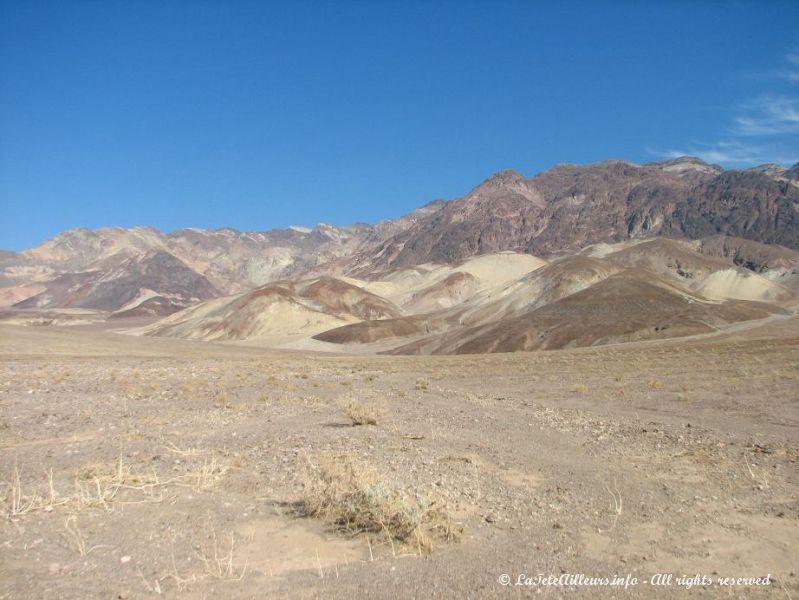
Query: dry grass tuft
207	475
106	485
218	563
76	536
222	399
350	495
17	503
99	485
360	412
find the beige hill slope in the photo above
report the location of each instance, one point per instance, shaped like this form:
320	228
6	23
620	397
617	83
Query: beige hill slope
552	282
737	284
317	305
709	276
658	289
775	263
430	287
628	306
281	308
499	303
546	284
755	256
674	259
445	293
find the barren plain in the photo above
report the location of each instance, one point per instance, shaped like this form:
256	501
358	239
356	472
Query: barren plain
139	467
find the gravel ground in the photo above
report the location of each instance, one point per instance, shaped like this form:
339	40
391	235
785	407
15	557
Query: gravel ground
137	468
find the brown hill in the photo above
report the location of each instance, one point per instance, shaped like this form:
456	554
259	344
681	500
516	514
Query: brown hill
450	291
428	288
549	283
672	258
367	332
157	272
338	297
552	282
624	307
456	294
745	204
751	255
708	276
277	309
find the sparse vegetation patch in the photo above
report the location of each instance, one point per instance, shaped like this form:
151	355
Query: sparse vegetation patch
361	411
351	496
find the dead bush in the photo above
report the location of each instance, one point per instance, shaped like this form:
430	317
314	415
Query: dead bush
352	497
361	412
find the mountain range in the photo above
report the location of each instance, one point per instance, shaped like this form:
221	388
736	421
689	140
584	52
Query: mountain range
680	245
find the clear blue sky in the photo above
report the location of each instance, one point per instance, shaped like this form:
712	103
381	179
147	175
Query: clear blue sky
257	115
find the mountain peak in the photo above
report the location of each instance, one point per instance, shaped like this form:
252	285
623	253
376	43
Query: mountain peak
508	179
504	177
683	164
770	169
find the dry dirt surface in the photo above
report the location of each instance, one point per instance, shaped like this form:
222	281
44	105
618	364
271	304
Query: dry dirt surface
146	467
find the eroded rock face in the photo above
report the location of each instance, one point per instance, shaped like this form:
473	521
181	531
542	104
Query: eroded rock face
751	255
573	206
154	274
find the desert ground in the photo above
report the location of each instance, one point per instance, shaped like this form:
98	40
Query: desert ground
136	467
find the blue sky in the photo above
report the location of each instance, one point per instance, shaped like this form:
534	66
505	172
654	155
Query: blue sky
257	115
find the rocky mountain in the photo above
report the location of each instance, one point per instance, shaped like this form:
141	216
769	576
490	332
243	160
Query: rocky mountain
142	278
222	261
555	213
571	206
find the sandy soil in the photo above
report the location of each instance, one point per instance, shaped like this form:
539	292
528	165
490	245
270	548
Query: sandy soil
127	466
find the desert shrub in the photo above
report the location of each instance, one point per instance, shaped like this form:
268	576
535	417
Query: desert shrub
359	411
351	496
222	398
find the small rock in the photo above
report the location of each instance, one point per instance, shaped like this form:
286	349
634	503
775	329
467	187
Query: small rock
124	559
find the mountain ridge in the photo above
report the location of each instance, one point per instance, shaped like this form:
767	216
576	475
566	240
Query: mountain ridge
557	211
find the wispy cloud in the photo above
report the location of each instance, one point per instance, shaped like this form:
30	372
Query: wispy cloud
790	73
732	153
769	115
762	131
